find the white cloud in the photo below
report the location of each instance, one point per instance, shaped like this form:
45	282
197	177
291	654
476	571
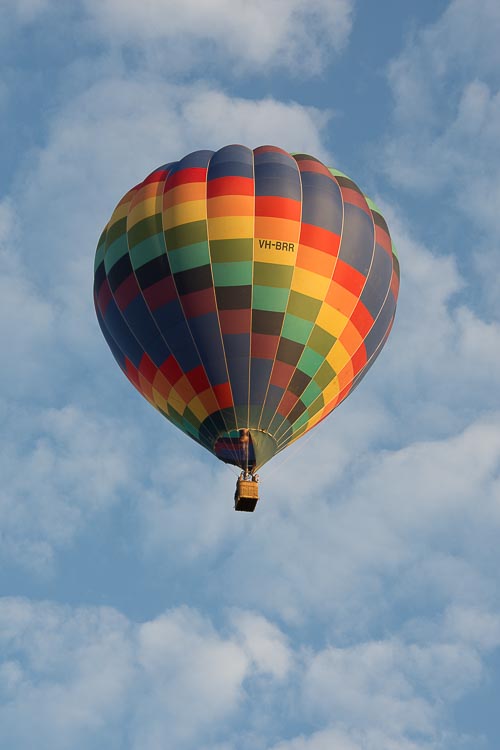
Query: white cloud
252	34
26	315
181	36
472	626
447	111
88	676
264	643
386	693
461	148
59	467
441	362
183	510
194	679
462	39
69	672
367	686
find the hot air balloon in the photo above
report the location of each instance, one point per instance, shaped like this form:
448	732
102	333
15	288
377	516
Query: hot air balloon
245	293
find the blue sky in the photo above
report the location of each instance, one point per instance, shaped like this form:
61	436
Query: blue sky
359	608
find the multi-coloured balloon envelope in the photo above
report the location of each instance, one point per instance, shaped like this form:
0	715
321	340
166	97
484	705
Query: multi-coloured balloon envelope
245	293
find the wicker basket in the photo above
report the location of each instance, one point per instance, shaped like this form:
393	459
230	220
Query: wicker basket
246	495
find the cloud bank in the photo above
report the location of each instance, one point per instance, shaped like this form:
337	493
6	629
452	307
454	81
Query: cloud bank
78	676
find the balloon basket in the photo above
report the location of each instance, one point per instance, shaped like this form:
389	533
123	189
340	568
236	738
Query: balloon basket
246	495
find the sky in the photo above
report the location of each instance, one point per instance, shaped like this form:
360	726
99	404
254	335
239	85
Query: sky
359	607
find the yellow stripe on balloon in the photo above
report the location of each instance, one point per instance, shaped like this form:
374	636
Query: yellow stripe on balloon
309	283
230	228
143	210
184	213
